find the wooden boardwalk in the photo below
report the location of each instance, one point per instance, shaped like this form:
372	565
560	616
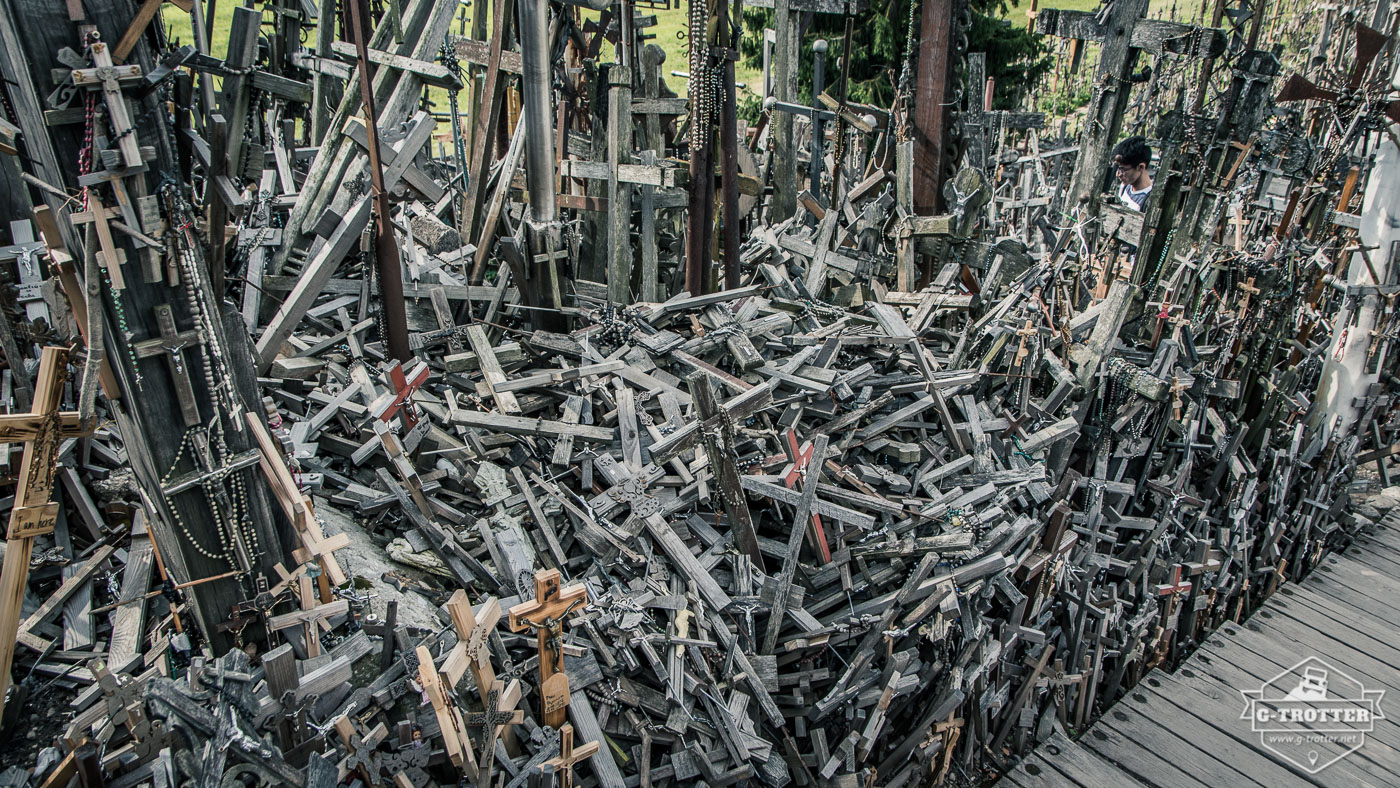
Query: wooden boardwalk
1184	729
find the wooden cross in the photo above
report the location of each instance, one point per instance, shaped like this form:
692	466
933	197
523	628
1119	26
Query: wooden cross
172	345
546	616
33	514
980	115
1024	333
1249	290
1123	32
800	458
25	252
500	702
563	765
472	632
108	76
400	401
109	256
950	730
309	618
717	433
449	717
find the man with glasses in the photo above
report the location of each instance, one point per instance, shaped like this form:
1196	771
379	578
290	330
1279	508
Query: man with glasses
1130	161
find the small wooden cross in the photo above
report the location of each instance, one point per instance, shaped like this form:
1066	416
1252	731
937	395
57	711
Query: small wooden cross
172	345
1021	352
546	615
108	75
500	711
563	765
800	458
1249	290
449	717
110	257
951	730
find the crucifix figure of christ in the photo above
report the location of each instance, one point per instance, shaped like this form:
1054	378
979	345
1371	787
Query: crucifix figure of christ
399	401
172	344
1123	30
563	764
33	513
546	615
25	251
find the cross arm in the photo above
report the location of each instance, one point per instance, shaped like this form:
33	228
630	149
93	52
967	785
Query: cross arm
21	427
1149	35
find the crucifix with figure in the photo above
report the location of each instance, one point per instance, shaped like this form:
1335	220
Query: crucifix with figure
546	615
563	765
172	344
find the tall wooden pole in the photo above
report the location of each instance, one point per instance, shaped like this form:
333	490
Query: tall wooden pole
386	247
932	94
729	152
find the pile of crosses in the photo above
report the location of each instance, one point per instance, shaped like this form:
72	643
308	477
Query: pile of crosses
890	451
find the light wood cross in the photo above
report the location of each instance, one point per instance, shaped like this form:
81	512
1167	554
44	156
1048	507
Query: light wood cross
563	765
33	514
453	727
108	76
546	615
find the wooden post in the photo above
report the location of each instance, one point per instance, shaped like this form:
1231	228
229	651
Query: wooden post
933	92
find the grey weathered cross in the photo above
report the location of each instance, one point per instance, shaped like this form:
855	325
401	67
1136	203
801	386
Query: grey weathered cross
499	711
25	252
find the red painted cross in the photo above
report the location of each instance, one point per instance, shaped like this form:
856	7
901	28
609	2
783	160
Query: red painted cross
400	400
1176	586
800	457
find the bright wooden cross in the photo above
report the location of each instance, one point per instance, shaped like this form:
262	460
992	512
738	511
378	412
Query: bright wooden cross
563	765
1021	352
472	632
546	615
449	717
33	513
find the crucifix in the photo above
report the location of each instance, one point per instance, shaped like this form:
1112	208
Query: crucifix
172	345
499	712
472	633
546	615
717	433
563	764
399	401
453	726
1174	590
33	514
25	252
811	477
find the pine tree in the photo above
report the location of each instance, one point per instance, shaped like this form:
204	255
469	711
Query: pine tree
1015	57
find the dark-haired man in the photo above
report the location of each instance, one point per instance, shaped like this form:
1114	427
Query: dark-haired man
1130	162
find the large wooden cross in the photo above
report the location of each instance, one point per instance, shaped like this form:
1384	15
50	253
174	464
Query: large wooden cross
1123	33
546	615
33	514
108	76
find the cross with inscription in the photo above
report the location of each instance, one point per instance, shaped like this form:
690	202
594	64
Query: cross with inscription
546	616
563	764
172	345
33	513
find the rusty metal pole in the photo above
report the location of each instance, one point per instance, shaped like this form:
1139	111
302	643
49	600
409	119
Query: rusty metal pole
386	248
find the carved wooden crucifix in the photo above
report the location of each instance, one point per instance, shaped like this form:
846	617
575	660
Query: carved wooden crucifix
500	711
33	514
546	616
563	765
108	76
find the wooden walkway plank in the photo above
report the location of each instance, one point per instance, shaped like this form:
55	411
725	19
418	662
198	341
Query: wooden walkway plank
1150	765
1247	669
1082	766
1306	642
1220	707
1234	743
1383	612
1358	576
1147	732
1307	602
1367	549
